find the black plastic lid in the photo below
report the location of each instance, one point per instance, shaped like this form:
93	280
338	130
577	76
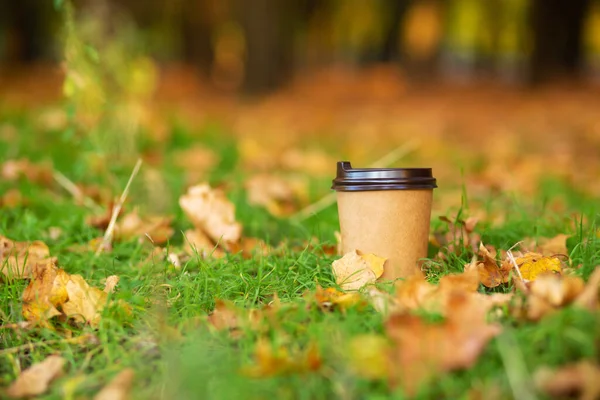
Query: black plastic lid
350	179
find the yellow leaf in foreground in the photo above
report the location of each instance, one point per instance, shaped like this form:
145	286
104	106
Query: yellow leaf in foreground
118	388
36	379
533	264
356	270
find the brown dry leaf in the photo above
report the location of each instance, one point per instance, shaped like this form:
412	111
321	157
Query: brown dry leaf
550	292
273	360
532	265
101	221
119	386
12	198
589	298
157	229
273	192
582	378
36	379
225	316
196	242
250	247
13	170
211	212
490	273
356	269
416	293
17	259
422	350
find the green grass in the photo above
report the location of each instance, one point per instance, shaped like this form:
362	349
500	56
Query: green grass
176	355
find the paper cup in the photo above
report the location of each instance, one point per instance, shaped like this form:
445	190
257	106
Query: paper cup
386	211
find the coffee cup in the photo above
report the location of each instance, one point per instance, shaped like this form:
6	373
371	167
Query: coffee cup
386	211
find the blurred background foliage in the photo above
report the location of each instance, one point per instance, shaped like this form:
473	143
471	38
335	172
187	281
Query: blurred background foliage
256	46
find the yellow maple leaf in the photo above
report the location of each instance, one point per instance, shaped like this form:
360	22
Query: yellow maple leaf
85	302
52	289
532	265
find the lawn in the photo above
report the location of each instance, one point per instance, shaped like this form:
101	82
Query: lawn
526	178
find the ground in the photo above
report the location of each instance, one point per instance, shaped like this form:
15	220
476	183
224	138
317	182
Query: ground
522	164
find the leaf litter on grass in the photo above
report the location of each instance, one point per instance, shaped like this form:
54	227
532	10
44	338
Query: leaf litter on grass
36	379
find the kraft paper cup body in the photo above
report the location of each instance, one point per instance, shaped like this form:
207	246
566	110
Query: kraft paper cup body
391	223
388	219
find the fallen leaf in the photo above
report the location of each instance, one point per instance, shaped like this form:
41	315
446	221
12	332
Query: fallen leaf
533	264
111	283
550	292
36	379
12	198
46	291
224	316
416	293
13	170
250	247
330	298
197	243
273	192
101	221
356	269
85	303
17	259
157	229
582	378
423	350
270	360
119	386
589	298
52	292
490	273
212	213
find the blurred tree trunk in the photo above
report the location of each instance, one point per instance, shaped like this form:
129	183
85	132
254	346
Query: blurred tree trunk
390	48
557	37
27	26
196	31
269	33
